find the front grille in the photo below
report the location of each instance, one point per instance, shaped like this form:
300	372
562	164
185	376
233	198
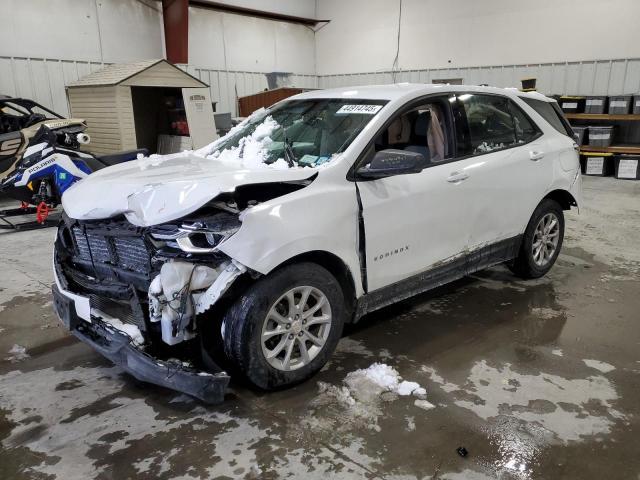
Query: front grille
124	252
119	309
92	247
132	253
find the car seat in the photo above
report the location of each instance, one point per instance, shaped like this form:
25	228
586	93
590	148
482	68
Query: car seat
419	140
399	132
436	136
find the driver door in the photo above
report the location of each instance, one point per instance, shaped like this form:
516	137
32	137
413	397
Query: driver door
414	222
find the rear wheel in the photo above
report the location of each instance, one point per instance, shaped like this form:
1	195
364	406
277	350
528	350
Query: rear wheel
286	326
541	242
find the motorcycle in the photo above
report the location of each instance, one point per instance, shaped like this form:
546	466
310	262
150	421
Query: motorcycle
42	159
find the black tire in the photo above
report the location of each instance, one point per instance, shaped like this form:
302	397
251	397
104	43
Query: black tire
524	265
243	322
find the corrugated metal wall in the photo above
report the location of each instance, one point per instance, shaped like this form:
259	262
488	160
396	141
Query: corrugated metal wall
601	77
227	86
44	79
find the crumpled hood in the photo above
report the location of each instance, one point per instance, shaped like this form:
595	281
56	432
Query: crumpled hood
151	191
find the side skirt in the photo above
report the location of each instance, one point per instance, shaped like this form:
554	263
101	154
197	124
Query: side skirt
440	274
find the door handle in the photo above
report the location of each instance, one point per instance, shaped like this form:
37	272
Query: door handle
536	155
457	177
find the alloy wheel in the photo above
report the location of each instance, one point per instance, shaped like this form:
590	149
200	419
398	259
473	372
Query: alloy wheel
296	328
545	239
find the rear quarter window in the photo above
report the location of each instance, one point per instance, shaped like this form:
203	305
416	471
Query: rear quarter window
551	113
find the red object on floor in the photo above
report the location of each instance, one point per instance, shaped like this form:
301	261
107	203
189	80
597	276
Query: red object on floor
24	205
42	212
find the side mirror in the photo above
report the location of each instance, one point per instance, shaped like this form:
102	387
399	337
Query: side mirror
390	162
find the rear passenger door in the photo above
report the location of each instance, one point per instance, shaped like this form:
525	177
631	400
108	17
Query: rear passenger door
511	171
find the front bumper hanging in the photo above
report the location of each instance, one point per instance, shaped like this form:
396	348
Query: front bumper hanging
118	347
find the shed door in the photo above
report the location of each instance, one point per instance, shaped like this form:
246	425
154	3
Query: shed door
197	105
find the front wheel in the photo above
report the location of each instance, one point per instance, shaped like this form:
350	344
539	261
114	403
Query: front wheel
286	326
541	242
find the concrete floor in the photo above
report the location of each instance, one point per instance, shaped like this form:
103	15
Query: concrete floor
535	379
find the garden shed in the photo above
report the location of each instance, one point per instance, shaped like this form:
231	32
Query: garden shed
148	104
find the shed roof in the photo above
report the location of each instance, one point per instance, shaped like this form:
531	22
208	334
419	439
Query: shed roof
125	73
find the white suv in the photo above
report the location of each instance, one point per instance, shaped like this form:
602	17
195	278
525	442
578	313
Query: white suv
254	251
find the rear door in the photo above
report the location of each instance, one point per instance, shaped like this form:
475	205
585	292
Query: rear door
511	169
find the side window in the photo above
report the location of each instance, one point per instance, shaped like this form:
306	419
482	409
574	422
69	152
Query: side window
526	130
424	129
491	125
551	113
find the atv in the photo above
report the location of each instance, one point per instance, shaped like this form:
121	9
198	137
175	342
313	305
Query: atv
21	118
40	158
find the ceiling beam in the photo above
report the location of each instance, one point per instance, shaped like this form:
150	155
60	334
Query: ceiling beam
213	5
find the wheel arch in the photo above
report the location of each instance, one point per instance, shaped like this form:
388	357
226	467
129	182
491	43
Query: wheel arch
564	198
336	266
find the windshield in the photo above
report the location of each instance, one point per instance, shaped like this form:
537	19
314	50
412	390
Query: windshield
305	133
21	113
26	108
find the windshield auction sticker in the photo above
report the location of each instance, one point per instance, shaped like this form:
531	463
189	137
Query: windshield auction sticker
365	109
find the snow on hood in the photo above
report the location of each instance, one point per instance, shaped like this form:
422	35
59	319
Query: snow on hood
151	191
161	188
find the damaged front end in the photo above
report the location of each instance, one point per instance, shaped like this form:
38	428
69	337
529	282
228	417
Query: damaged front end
135	293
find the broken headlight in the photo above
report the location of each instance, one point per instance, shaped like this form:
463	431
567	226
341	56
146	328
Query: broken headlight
201	235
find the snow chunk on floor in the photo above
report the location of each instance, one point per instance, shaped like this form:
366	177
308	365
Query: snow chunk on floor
359	401
424	404
598	365
17	353
389	379
411	423
557	352
408	388
381	374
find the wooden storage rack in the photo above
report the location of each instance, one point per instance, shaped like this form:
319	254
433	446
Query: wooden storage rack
602	116
621	148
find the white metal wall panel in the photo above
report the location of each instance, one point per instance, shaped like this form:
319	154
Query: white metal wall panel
44	79
602	77
585	79
632	78
226	86
617	77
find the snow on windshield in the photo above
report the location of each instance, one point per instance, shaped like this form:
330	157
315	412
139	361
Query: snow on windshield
207	149
252	150
295	134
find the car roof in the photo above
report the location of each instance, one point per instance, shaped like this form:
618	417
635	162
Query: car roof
403	90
